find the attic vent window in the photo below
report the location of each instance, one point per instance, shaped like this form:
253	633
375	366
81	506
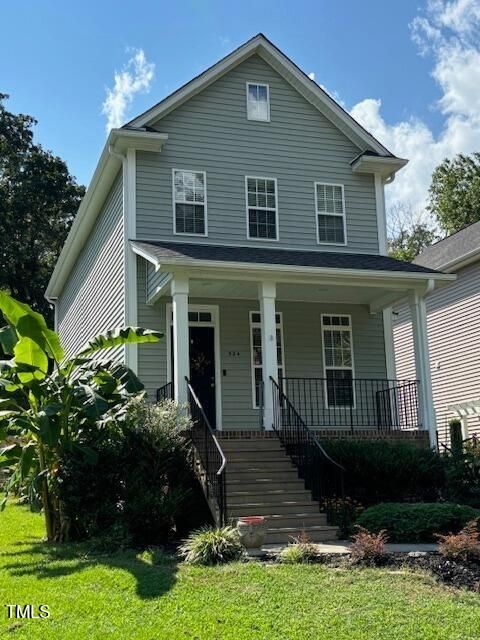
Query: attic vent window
258	102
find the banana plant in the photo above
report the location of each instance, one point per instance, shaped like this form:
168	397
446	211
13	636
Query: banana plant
48	401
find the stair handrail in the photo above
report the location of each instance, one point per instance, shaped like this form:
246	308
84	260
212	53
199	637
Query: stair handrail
299	456
165	392
212	458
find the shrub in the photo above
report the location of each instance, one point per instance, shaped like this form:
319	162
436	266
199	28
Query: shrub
367	547
141	483
416	522
210	546
388	471
463	474
464	545
301	551
344	514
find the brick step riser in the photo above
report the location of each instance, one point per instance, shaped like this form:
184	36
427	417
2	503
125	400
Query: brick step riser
280	464
292	485
280	537
283	475
271	498
255	456
249	445
300	521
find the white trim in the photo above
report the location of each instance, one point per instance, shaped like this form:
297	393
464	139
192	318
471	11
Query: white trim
335	368
215	311
277	230
328	213
292	74
258	84
254	366
381	215
174	202
385	166
390	367
130	259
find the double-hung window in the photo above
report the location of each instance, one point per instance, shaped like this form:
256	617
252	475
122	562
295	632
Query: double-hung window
256	351
338	360
330	213
258	102
190	202
262	210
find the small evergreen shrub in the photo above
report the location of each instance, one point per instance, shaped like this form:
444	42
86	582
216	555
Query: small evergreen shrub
417	522
464	545
211	546
368	548
388	471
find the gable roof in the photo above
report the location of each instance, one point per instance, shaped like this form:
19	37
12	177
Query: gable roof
453	252
310	90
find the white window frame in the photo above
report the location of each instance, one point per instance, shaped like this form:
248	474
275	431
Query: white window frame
175	202
277	230
328	213
333	368
253	366
249	84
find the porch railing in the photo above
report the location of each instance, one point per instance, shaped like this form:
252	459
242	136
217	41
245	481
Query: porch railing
165	392
211	457
322	475
347	403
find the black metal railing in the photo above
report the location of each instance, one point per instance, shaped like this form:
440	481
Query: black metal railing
322	475
211	456
343	402
165	392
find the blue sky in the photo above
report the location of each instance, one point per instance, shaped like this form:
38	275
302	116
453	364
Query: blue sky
58	59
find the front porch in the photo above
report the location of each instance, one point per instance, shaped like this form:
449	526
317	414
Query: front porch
323	335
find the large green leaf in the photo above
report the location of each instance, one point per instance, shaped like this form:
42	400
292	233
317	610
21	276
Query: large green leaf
28	352
30	324
119	336
49	429
8	339
91	403
127	380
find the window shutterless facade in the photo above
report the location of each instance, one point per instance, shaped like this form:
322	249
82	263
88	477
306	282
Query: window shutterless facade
262	208
330	213
338	360
189	202
258	101
256	353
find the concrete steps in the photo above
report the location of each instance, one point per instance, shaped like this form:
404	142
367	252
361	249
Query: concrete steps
261	480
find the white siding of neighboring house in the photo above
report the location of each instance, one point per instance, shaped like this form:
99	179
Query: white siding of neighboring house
454	339
92	300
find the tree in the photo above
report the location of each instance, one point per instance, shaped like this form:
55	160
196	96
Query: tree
409	232
38	201
455	192
47	402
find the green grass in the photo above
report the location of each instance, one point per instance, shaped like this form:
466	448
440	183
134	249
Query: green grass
128	596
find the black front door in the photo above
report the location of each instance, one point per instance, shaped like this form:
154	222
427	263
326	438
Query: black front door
202	368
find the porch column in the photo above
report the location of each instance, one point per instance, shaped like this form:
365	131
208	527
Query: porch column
266	296
181	342
422	366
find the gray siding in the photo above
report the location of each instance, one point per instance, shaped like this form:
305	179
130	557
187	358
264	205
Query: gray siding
302	341
299	146
454	340
93	297
154	279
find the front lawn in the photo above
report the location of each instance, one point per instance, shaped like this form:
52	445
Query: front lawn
128	596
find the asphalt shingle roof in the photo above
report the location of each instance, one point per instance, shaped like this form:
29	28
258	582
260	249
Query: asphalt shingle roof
452	248
256	255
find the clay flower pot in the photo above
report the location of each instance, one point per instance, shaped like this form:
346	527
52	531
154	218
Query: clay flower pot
252	531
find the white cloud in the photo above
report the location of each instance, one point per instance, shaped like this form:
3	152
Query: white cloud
136	76
311	75
449	33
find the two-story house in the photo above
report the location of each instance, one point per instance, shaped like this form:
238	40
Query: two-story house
244	217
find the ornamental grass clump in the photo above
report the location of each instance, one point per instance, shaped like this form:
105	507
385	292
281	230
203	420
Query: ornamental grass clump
211	546
464	545
301	551
368	548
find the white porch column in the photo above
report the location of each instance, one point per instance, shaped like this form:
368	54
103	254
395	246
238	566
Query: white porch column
266	296
181	341
422	366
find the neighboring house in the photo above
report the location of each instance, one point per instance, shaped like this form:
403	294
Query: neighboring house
453	332
244	216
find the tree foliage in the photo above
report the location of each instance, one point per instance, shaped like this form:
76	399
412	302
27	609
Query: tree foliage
38	201
47	402
409	243
455	192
